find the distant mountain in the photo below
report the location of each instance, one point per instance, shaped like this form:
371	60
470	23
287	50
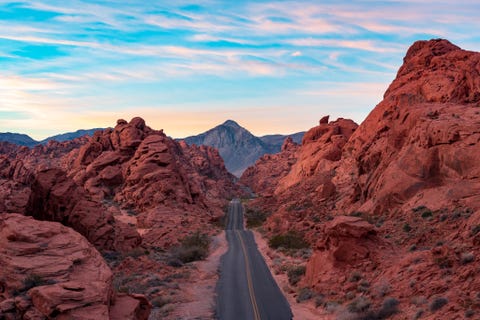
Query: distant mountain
238	147
25	140
277	139
71	135
18	138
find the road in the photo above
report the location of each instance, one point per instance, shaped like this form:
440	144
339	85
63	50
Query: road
246	289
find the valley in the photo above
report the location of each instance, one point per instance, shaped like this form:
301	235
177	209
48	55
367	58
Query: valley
377	220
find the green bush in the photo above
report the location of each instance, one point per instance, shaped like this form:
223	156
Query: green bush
255	218
192	248
295	274
304	294
475	229
438	303
423	211
159	302
360	304
289	240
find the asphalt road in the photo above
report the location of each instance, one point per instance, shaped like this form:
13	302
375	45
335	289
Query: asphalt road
246	289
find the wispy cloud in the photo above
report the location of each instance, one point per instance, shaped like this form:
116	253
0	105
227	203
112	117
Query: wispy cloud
116	56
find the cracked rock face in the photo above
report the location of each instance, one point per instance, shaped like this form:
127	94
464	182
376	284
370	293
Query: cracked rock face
412	169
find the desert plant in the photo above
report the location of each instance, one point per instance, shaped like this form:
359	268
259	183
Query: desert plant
363	286
418	314
355	276
423	211
160	301
438	303
295	274
255	218
469	313
475	229
33	280
304	294
444	262
407	228
389	308
360	304
289	240
192	248
467	257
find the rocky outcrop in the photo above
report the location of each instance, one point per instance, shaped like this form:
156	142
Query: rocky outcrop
421	140
347	244
50	271
138	171
264	176
55	197
410	169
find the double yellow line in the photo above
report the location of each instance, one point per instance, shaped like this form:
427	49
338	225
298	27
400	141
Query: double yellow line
256	313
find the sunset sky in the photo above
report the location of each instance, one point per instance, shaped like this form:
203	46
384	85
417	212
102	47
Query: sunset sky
186	66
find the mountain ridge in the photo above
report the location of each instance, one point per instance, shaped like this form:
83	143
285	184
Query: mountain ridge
22	139
239	147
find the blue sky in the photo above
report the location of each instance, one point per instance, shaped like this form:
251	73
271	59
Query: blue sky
185	66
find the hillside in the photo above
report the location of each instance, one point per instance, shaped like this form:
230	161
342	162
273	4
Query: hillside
25	140
391	208
130	193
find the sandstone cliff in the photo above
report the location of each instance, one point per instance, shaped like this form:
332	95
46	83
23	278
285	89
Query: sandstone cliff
408	175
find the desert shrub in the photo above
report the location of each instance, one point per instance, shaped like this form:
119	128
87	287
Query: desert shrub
438	303
360	304
350	295
304	294
407	228
423	211
189	254
412	248
363	286
220	222
289	240
355	276
469	313
33	280
419	209
467	257
389	308
255	218
418	314
382	289
319	300
192	248
444	262
475	229
295	274
426	214
135	253
160	301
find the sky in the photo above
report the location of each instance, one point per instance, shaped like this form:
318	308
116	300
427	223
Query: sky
186	66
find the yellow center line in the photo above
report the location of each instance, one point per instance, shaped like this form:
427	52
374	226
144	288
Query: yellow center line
256	313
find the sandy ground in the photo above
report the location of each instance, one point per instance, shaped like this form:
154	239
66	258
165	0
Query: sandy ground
301	311
200	293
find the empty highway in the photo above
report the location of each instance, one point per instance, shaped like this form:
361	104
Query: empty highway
246	289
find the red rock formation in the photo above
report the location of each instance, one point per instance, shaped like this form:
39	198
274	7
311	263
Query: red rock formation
264	176
165	184
55	197
422	139
411	169
50	271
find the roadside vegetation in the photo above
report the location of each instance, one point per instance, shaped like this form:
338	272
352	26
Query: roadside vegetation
288	240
